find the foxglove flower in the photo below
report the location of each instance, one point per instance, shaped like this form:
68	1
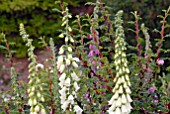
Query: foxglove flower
160	62
77	109
120	101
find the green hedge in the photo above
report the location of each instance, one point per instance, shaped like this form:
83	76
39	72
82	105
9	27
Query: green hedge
41	20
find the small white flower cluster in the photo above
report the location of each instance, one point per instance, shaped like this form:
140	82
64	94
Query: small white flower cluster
120	101
65	83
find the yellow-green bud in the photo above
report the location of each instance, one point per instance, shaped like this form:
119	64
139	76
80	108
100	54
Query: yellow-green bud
61	35
69	49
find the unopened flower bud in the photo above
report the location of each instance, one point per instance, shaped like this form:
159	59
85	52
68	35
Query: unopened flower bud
33	88
31	94
66	39
69	29
42	99
69	49
34	101
38	95
71	40
61	35
74	64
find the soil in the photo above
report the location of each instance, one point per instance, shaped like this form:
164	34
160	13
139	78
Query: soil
21	67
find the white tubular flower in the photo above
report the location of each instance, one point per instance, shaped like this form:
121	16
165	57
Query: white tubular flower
120	89
74	76
77	109
74	64
67	82
129	98
61	50
37	108
62	67
118	102
65	105
39	65
59	61
123	99
76	86
76	59
61	83
30	102
34	101
71	99
33	113
62	77
43	111
115	96
68	62
63	91
118	111
63	98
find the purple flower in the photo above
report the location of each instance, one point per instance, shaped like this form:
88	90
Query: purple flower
155	96
160	62
152	89
91	46
148	69
89	37
102	93
91	53
87	97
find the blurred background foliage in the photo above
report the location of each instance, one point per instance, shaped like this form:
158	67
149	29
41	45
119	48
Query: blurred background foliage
40	19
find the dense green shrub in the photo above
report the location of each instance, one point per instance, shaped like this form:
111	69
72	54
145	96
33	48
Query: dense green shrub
39	17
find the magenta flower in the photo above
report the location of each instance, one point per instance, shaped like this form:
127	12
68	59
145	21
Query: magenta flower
91	46
97	51
89	37
152	89
160	62
91	53
155	101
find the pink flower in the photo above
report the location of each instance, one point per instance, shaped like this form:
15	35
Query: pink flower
89	37
160	62
97	51
91	46
91	54
155	101
152	89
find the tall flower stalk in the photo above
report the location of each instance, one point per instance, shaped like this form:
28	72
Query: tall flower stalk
67	66
35	88
120	101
